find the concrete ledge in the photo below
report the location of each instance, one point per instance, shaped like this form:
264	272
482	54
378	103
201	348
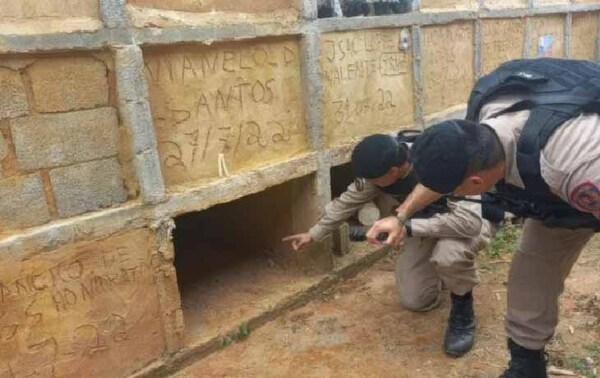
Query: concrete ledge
234	187
64	41
93	225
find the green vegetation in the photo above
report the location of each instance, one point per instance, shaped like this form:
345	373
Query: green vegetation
581	364
505	240
240	334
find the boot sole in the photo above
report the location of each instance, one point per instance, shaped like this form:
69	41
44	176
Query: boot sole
456	354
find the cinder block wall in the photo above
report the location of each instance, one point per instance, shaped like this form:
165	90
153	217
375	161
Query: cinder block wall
117	116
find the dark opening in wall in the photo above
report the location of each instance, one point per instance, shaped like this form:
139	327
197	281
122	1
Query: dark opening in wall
230	261
341	177
354	8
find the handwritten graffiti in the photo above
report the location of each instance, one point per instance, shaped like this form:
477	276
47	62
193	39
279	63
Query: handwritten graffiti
250	133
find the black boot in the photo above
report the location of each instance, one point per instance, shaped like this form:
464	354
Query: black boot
525	363
358	232
460	333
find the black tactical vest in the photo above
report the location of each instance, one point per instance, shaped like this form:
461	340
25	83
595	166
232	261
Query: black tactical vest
555	91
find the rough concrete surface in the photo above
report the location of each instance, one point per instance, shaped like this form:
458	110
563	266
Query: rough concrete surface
241	100
502	40
584	25
85	310
87	186
551	26
433	5
41	17
240	6
63	84
367	83
23	203
448	73
47	141
141	17
504	4
13	99
551	2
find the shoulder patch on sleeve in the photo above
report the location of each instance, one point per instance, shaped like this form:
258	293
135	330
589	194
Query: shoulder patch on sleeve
586	197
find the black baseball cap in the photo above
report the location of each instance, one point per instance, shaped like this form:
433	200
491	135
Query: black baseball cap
376	154
440	158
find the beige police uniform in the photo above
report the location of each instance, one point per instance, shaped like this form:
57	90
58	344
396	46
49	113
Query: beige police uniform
570	165
442	250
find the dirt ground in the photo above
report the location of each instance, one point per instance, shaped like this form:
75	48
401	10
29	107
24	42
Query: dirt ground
358	329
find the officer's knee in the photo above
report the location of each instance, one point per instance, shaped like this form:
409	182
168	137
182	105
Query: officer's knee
449	259
420	303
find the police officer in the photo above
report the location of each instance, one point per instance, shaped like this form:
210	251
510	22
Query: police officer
533	133
444	239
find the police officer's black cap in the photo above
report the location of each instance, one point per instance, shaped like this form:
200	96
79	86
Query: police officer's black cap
440	158
376	154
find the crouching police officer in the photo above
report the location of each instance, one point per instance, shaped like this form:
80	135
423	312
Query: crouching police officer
445	237
533	132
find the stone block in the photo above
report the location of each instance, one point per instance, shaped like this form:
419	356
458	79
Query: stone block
215	13
239	6
367	83
502	40
447	64
29	9
13	100
87	186
584	32
47	141
22	203
539	3
504	4
547	37
448	5
242	101
68	83
88	309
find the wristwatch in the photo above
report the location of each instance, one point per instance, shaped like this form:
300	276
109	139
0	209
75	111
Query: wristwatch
402	218
408	227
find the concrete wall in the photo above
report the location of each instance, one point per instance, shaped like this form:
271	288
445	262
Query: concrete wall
64	152
42	17
115	118
367	83
241	101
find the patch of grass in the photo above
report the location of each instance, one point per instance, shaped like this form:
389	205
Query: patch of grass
594	349
239	334
505	240
580	365
243	332
225	341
